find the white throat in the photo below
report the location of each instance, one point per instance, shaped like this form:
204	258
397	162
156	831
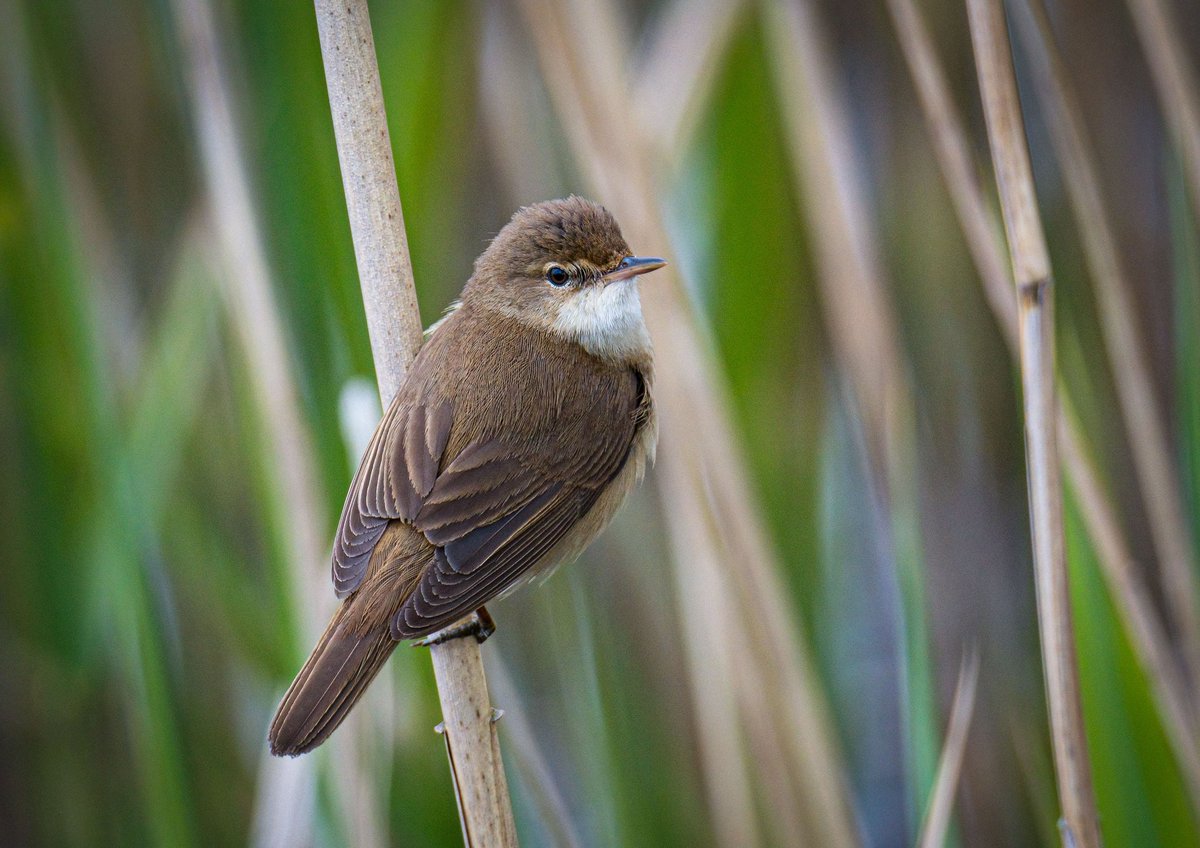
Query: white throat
606	320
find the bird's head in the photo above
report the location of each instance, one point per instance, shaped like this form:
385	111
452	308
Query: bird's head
563	266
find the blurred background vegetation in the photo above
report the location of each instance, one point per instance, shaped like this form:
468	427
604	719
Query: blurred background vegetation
154	601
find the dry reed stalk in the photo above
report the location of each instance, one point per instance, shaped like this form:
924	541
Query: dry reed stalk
1178	93
953	152
1136	607
787	822
615	156
673	80
1132	599
255	316
708	642
714	705
530	762
941	801
860	324
857	312
1035	303
1126	348
581	102
394	324
719	738
251	301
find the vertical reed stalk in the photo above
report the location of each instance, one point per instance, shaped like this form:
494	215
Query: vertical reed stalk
671	85
1126	348
1035	303
864	333
861	326
698	450
1129	592
394	323
251	302
1178	93
953	152
941	801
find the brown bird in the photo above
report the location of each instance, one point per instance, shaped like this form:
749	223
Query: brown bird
523	423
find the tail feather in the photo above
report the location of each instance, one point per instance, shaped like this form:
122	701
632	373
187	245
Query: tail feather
342	665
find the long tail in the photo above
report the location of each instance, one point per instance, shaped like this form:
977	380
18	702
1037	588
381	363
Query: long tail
344	662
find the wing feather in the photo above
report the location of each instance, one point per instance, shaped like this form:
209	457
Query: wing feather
410	436
492	505
452	588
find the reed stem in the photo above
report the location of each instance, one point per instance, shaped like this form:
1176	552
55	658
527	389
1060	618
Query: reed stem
394	323
1130	594
941	799
699	459
1035	324
1178	91
1149	440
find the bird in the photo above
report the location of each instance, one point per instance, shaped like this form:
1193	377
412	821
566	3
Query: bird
525	419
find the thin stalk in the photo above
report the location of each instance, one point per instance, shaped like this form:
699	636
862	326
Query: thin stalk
724	762
953	152
532	765
698	448
1135	606
707	641
860	321
1147	636
251	302
941	802
1126	347
672	82
1035	304
394	323
863	330
1175	80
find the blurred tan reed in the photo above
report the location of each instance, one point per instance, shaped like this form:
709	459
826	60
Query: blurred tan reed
941	802
854	295
537	773
701	471
252	309
1130	595
1149	443
1175	79
1035	304
861	324
676	72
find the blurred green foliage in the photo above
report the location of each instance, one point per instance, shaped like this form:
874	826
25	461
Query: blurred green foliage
148	619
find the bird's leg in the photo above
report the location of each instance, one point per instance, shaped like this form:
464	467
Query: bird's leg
481	625
487	624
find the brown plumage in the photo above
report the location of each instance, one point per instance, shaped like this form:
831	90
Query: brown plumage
522	424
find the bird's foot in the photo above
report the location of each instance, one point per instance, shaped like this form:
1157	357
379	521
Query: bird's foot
481	625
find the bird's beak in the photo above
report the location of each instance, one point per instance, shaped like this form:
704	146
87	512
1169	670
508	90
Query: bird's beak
633	266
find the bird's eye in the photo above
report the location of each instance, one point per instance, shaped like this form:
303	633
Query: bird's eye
557	276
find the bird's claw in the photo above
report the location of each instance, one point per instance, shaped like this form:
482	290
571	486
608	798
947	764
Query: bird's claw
480	625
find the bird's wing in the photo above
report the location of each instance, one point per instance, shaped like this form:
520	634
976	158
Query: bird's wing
493	536
492	509
500	504
397	471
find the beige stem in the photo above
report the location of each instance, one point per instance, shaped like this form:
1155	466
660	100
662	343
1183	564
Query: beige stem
394	322
1035	321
